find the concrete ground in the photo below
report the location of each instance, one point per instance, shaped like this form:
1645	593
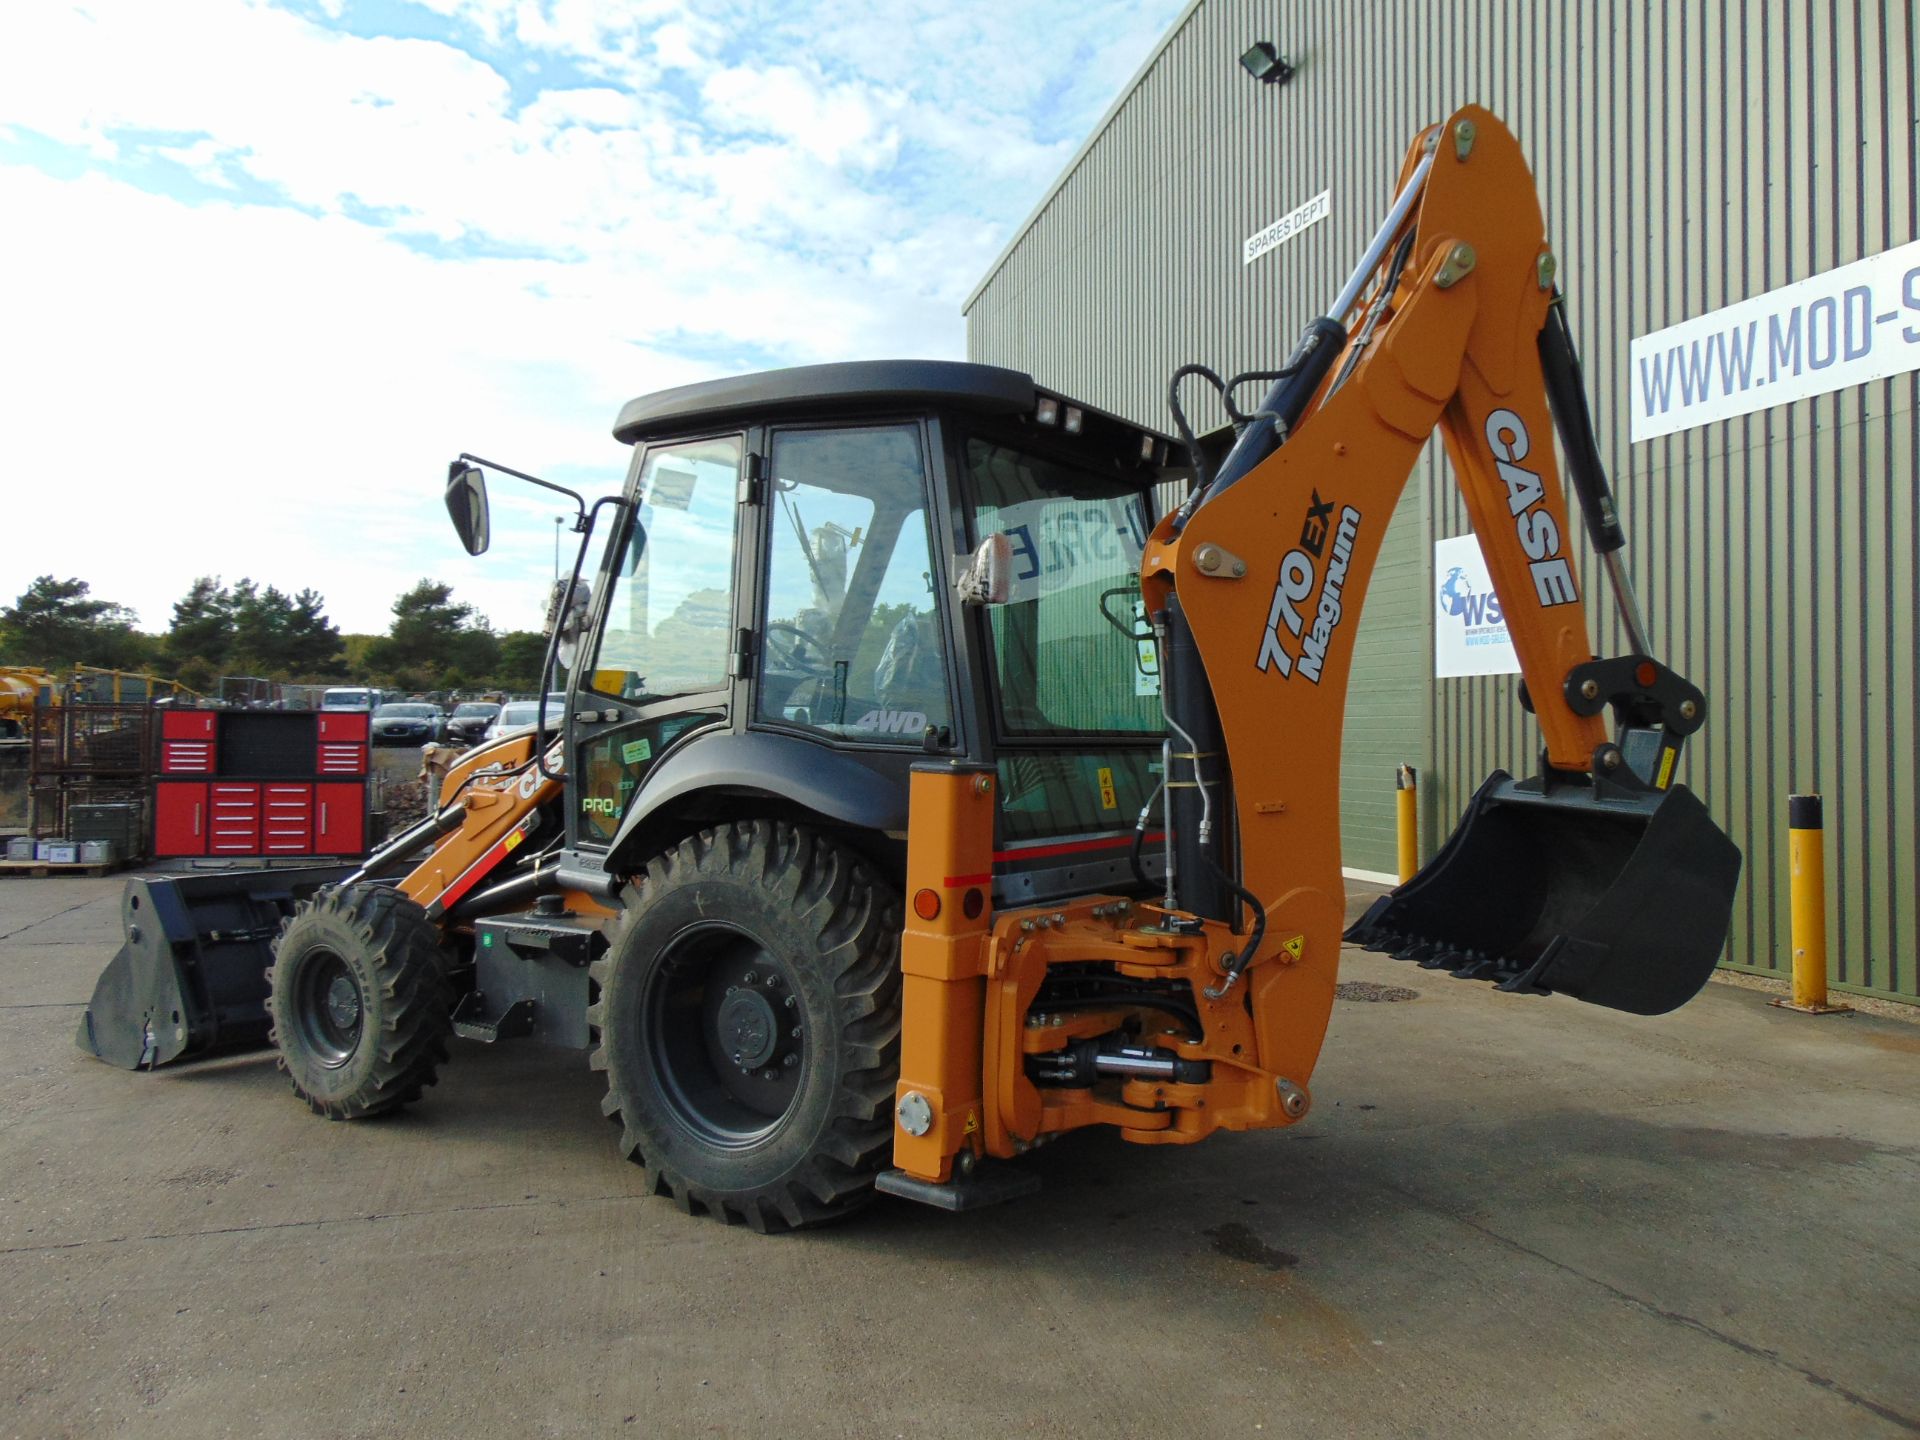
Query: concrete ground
1506	1216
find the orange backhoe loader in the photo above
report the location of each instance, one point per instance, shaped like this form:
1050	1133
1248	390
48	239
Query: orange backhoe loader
917	798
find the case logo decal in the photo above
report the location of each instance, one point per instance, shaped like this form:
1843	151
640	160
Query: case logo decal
1539	534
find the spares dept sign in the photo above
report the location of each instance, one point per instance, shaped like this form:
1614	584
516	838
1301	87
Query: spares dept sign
1469	631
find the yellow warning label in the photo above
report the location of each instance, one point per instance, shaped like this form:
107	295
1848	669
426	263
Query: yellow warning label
1296	947
973	1123
1666	768
1108	800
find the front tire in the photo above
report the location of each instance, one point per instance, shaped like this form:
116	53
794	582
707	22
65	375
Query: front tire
749	1025
359	1001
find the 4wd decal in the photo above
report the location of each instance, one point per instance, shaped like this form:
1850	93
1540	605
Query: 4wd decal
893	722
1320	537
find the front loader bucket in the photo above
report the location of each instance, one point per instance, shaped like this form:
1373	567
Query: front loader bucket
1621	898
190	980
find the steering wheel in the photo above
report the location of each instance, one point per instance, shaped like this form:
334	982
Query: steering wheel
794	658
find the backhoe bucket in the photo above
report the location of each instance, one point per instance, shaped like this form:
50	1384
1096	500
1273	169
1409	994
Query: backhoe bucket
1621	898
190	981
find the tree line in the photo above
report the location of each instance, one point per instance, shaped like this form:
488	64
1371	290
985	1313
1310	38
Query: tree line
433	643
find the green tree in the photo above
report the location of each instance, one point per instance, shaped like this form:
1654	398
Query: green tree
202	627
255	623
282	636
246	628
521	654
356	648
313	642
433	639
55	623
196	674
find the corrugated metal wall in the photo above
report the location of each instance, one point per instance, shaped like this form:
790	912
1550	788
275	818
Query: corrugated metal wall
1688	156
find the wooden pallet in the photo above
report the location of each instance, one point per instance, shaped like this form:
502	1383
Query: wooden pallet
41	869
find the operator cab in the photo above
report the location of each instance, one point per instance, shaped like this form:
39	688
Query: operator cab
774	624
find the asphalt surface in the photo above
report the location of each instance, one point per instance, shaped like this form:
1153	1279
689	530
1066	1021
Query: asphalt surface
1505	1216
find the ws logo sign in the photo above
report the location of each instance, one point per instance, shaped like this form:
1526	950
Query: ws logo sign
1469	629
1477	610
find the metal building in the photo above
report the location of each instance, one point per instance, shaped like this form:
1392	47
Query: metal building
1689	157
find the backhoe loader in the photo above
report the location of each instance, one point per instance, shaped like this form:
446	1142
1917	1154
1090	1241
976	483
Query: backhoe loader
918	796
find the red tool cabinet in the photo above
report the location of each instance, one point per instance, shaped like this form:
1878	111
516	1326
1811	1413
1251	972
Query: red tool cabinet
246	784
187	740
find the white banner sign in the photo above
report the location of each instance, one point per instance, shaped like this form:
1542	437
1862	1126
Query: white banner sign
1858	323
1286	227
1469	635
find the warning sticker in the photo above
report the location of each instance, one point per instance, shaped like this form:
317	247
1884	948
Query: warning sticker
634	752
1108	800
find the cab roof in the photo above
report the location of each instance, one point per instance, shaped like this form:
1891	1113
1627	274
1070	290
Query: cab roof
827	389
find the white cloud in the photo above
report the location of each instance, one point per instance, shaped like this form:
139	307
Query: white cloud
268	381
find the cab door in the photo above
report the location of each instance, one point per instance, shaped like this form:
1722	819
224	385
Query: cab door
852	634
660	661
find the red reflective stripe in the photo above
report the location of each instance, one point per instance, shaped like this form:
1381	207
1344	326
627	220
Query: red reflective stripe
1070	847
472	876
954	882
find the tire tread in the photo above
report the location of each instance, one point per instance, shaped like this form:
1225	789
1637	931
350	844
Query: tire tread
858	919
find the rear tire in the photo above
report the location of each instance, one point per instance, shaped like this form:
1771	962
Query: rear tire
749	1025
359	1001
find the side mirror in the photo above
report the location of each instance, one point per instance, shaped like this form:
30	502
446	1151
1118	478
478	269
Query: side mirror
988	578
467	505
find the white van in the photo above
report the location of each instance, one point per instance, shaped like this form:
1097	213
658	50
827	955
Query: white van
350	697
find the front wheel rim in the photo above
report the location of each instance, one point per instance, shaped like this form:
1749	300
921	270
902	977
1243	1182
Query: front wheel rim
723	1035
330	1009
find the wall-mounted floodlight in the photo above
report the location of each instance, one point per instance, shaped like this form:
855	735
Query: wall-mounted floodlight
1266	64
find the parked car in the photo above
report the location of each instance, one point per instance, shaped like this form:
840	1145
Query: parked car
408	723
520	715
350	697
469	721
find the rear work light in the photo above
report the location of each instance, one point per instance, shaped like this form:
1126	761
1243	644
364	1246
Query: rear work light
1047	411
1074	417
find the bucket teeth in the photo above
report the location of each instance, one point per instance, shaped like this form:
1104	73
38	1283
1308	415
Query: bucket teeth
1519	984
1418	950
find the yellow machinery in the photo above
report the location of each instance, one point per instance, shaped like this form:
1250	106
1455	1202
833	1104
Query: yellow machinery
22	687
917	797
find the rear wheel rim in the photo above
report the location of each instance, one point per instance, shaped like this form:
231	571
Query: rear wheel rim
722	1033
331	1010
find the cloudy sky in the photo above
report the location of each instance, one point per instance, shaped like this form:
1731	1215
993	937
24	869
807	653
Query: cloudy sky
266	267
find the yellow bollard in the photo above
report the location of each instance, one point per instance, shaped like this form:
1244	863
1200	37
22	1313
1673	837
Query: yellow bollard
1407	799
1807	907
